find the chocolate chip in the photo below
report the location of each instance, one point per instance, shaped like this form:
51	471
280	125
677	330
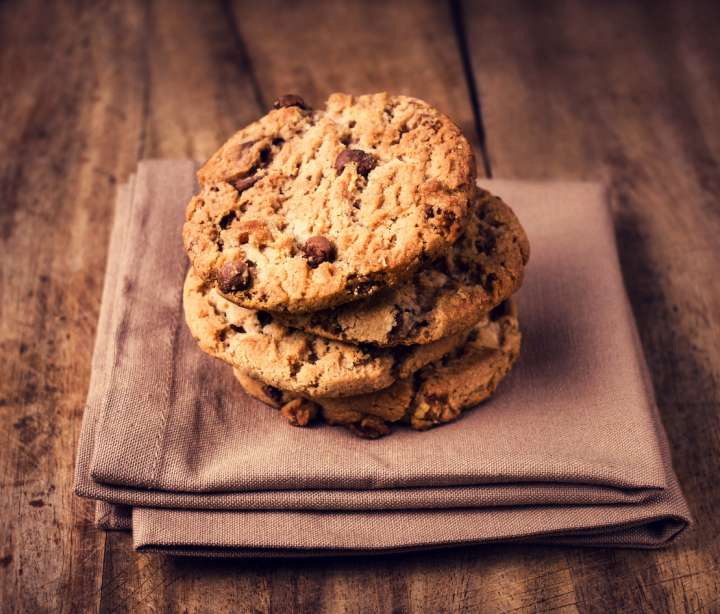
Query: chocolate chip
244	183
318	250
365	162
264	318
227	219
234	276
265	156
290	100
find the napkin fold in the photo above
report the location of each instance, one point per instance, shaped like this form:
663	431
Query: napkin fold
570	450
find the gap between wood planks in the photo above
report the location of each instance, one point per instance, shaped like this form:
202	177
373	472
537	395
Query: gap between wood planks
243	57
458	23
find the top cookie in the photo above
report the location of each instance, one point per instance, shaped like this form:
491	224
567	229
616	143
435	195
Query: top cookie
484	267
305	210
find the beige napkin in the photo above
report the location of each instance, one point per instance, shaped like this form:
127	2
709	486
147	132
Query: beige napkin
570	449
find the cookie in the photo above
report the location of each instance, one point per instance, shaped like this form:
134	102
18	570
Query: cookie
483	268
305	210
436	394
294	360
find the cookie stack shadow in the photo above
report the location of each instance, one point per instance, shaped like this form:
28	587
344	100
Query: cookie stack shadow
349	269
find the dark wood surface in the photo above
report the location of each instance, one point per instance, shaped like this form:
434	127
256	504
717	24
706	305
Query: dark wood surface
623	92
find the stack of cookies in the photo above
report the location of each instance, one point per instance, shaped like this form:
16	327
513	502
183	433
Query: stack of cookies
349	269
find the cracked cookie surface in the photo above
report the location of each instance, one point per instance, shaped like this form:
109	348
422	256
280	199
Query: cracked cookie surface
484	267
436	394
304	210
294	360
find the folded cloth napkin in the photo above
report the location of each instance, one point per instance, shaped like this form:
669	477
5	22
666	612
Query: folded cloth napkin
570	450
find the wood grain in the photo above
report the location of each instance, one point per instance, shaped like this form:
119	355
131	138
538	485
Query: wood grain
86	92
58	175
628	93
624	92
316	48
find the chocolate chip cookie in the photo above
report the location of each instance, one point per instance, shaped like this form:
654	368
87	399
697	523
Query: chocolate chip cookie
294	360
436	394
308	209
483	268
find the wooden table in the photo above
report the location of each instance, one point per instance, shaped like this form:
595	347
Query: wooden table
623	92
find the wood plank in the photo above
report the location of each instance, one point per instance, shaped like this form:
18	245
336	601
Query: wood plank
198	86
86	91
628	93
58	170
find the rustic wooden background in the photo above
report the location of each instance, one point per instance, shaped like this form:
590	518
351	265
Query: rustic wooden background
624	92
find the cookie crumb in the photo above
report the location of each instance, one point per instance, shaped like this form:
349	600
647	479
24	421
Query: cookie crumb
370	427
299	412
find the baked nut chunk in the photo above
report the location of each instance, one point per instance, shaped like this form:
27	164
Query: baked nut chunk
304	210
294	360
436	394
484	267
